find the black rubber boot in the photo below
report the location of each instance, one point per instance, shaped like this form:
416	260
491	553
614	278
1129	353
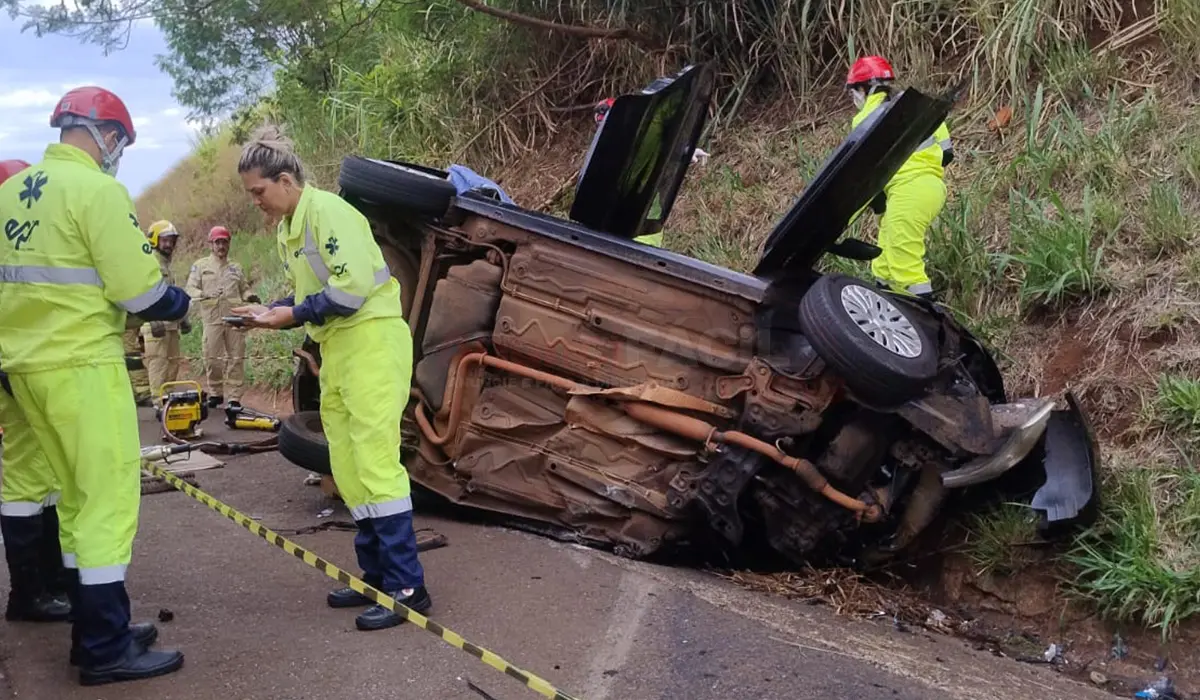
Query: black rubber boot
56	577
215	401
378	617
27	599
135	664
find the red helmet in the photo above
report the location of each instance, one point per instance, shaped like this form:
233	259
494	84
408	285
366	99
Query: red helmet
92	105
869	68
602	108
217	233
8	168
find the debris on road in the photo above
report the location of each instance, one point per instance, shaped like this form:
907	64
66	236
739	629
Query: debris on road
313	479
1053	653
1119	648
325	513
1098	678
165	615
1162	689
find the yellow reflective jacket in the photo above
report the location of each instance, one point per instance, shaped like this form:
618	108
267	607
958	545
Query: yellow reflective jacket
73	262
925	160
327	246
217	286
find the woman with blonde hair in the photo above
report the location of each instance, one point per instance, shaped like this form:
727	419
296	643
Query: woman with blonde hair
349	304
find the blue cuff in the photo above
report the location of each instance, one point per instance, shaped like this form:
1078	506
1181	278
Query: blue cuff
316	307
286	301
172	306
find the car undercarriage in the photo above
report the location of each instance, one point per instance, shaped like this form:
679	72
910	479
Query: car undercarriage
624	396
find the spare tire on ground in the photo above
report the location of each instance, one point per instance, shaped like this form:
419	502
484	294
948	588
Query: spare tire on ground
885	356
409	187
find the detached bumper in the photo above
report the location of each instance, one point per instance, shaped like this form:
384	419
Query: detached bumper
1070	494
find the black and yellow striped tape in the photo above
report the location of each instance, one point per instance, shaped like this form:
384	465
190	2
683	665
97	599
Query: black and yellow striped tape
535	683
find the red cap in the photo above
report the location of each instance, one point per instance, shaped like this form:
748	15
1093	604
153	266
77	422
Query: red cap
8	168
216	233
870	68
96	104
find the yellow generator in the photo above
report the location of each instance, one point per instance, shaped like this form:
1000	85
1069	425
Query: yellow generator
182	409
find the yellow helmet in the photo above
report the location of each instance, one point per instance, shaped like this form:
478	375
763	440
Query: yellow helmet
158	229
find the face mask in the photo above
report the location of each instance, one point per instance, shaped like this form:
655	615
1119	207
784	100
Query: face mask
110	159
859	97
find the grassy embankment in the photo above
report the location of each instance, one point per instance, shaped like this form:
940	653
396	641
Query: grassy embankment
1069	241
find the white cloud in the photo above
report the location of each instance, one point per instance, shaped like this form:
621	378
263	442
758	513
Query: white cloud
171	112
24	98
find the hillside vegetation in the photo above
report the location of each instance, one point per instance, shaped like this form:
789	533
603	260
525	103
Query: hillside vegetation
1069	241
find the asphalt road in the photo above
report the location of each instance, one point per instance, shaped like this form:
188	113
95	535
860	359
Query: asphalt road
253	625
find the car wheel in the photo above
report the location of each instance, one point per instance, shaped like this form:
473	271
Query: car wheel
412	188
884	356
302	441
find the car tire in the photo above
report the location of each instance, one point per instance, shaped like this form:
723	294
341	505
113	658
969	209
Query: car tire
302	442
406	186
885	357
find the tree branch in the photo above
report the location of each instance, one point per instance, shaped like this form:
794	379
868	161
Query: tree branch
573	30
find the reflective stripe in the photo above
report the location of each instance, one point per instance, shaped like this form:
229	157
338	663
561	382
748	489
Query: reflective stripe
926	143
146	299
922	288
21	509
51	500
41	274
69	560
382	510
946	145
321	270
101	575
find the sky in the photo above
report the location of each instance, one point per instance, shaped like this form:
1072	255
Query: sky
51	65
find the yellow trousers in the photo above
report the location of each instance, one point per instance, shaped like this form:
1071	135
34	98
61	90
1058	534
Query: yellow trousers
366	370
27	484
912	205
86	425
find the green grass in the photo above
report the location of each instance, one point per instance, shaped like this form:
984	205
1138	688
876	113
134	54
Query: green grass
1169	227
1059	250
1140	562
1001	541
1177	405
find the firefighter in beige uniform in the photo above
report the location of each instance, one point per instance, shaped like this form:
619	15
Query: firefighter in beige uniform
161	338
219	284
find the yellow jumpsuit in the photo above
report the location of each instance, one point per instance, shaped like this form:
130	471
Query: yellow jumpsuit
73	263
915	196
219	286
329	251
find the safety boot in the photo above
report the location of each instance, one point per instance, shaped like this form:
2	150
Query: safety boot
348	597
27	598
135	664
378	617
144	633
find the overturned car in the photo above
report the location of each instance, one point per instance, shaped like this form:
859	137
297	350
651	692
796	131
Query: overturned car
592	388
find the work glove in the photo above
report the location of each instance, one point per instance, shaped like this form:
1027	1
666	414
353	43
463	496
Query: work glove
158	329
185	326
879	203
947	157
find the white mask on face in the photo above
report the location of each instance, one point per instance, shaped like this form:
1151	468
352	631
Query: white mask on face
859	97
110	159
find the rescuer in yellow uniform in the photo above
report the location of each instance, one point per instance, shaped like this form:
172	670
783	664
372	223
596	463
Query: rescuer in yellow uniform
28	510
161	338
218	284
73	264
914	196
350	304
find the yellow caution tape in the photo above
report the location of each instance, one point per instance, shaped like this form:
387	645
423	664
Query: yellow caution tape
535	683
